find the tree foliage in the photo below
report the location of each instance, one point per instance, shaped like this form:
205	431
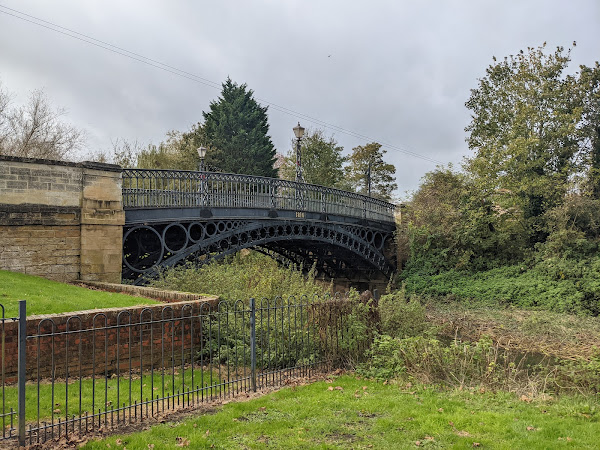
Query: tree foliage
236	132
382	177
322	160
530	191
36	129
526	132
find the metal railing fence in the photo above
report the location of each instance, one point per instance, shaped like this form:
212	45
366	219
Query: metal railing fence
84	374
153	188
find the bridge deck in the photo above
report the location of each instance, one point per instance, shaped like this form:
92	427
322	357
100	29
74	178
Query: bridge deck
183	191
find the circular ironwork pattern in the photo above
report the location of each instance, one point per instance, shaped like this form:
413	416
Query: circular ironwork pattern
149	247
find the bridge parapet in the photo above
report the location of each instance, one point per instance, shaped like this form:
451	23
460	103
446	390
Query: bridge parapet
149	188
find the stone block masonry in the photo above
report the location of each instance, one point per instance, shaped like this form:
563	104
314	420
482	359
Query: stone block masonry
61	220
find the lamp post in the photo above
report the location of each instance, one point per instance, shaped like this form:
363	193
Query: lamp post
201	154
203	186
299	132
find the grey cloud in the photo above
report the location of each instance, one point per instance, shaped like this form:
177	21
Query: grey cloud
397	72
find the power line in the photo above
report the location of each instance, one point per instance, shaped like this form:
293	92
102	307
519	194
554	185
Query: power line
190	76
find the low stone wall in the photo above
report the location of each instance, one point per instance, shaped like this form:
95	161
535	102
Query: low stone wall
100	341
61	220
148	292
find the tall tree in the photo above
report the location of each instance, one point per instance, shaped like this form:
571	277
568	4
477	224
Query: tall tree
366	164
36	129
236	131
525	132
322	160
590	86
176	152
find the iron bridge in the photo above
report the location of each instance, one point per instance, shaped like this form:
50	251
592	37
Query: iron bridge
173	216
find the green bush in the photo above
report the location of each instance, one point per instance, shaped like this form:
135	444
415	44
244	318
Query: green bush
457	364
556	284
402	316
245	275
478	364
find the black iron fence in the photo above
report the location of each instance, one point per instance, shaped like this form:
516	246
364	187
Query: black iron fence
152	188
84	373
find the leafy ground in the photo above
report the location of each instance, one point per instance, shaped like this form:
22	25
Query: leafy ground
49	297
348	412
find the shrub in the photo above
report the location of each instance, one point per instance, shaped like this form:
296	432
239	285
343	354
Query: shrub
459	364
402	316
480	364
556	284
245	275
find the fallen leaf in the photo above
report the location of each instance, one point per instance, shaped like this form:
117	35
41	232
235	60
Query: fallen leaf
418	443
150	446
119	442
330	388
429	438
450	423
365	388
56	411
476	444
339	388
182	442
531	429
207	432
441	410
526	399
463	433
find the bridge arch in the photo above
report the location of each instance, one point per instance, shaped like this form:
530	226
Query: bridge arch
177	216
333	247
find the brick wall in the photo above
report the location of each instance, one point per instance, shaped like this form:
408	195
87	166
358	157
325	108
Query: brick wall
100	341
61	220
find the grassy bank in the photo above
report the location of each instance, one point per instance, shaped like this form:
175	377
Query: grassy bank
50	297
347	412
561	285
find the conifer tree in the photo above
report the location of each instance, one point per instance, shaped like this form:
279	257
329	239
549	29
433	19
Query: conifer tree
236	132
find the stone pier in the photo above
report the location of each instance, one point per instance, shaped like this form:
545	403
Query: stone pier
61	220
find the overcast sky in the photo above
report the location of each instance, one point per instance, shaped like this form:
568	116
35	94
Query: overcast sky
396	72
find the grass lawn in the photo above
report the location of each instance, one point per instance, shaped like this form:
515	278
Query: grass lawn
347	412
102	394
49	297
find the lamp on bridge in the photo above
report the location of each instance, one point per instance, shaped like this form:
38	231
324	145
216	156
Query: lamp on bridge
299	132
201	154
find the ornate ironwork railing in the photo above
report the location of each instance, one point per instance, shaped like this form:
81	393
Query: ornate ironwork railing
152	188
